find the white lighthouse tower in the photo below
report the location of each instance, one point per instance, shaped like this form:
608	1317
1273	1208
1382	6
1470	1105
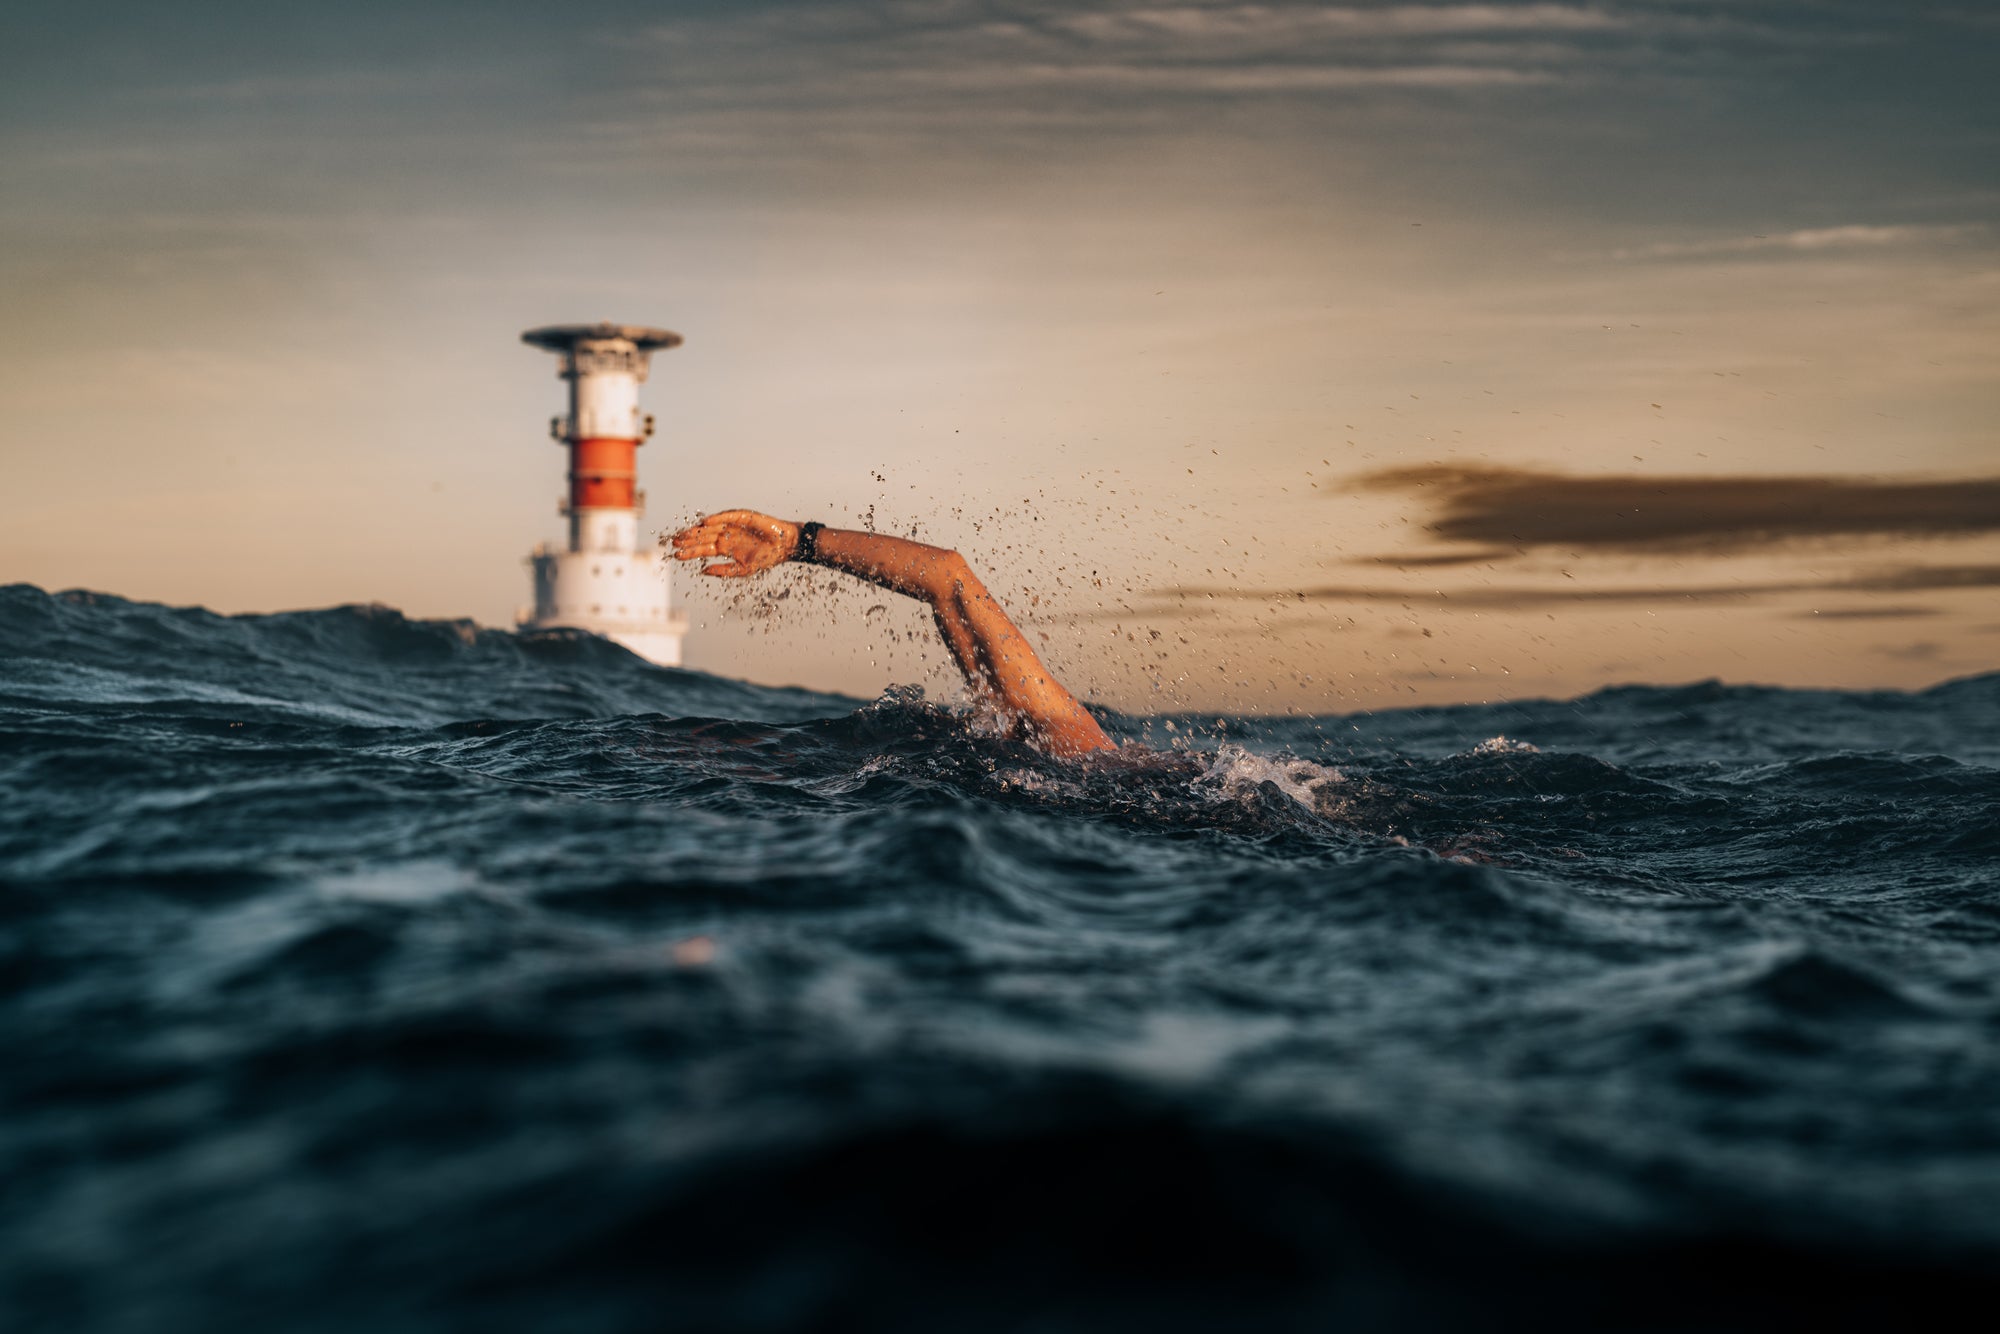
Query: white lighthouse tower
604	582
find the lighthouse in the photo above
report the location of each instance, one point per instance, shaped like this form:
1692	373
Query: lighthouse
604	582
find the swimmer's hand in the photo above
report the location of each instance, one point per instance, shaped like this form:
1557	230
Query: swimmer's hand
746	542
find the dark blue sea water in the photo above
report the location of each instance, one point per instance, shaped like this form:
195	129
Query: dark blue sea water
362	973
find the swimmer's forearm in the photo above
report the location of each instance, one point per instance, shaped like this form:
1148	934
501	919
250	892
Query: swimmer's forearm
934	575
913	569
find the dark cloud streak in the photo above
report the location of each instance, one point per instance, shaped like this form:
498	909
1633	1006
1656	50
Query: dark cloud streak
1521	508
1896	579
1438	560
1865	613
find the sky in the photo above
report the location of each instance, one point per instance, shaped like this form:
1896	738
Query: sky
1265	357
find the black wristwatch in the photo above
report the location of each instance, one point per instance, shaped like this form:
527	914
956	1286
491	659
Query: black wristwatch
808	548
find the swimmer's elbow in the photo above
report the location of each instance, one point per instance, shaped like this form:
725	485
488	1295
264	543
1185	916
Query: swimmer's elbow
950	574
1074	733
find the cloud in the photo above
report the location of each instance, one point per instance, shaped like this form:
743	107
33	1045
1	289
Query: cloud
1201	78
831	58
1289	24
1536	597
1809	240
1923	650
1441	559
1921	578
1520	508
1974	18
1864	613
337	85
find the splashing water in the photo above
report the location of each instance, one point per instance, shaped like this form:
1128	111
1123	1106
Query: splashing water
1234	772
1500	745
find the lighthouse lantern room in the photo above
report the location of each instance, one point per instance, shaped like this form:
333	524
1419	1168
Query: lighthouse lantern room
604	582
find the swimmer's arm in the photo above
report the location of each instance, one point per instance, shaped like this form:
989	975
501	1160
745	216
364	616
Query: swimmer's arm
988	647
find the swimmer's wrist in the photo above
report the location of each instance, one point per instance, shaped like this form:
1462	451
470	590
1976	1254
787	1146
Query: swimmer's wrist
806	550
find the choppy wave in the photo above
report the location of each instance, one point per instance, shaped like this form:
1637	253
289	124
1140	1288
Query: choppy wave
363	971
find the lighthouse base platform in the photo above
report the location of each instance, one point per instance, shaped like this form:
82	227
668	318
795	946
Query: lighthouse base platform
622	595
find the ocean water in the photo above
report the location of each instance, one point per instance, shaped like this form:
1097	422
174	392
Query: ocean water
358	972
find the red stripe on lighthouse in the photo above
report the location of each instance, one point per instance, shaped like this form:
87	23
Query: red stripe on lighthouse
603	473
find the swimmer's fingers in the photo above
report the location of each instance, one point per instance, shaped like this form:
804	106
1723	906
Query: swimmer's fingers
727	569
742	518
699	534
692	545
695	544
714	525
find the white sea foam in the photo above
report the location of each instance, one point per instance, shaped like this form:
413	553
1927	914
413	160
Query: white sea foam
1501	745
1236	773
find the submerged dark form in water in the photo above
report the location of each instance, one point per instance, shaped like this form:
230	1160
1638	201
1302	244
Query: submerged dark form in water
357	972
